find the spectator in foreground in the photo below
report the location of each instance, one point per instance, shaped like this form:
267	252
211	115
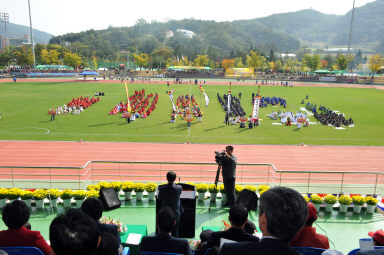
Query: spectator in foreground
94	208
238	217
15	216
74	233
282	213
378	240
307	237
163	241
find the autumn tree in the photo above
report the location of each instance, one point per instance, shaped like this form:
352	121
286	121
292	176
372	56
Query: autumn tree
312	62
341	62
239	62
202	60
253	60
72	60
141	60
228	63
375	63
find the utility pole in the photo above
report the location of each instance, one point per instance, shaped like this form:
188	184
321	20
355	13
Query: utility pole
351	28
4	17
30	27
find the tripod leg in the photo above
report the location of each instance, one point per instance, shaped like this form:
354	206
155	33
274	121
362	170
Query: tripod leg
216	181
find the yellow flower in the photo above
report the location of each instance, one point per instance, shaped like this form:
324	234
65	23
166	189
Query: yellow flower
139	187
128	186
66	194
201	187
150	187
93	187
79	194
93	193
39	194
238	189
53	193
250	187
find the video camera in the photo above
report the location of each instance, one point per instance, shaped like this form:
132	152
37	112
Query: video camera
220	157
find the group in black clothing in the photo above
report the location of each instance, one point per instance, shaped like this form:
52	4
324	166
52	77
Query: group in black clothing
327	116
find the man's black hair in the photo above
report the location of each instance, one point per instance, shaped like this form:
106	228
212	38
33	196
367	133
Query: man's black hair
93	207
286	212
15	214
165	220
238	214
171	176
229	147
74	233
205	235
250	227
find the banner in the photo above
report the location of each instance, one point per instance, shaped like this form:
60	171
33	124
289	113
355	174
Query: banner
256	104
229	102
206	99
171	98
205	95
128	103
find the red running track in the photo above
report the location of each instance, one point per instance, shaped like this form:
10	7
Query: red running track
284	157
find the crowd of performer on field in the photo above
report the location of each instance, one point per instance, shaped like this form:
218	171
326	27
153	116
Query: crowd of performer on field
187	107
138	105
327	116
76	105
299	119
273	101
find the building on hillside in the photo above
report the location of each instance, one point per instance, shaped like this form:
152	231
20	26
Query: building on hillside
169	34
17	41
342	50
289	55
187	33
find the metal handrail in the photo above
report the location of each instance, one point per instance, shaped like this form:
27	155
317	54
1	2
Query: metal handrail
274	175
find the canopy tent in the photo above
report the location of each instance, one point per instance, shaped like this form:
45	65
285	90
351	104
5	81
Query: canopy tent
89	73
339	72
182	68
322	71
49	67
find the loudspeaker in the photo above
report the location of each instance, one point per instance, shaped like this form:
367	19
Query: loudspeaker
109	198
248	199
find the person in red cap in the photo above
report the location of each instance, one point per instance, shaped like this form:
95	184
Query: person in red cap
307	236
378	237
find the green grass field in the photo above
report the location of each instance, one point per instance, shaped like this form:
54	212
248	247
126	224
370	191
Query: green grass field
24	109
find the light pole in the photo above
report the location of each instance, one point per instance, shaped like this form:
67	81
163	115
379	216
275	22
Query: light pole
30	27
4	17
351	27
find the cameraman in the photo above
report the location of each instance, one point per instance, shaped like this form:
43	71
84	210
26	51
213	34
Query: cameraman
229	175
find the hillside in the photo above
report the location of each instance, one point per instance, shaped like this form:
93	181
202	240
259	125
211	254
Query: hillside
15	30
283	32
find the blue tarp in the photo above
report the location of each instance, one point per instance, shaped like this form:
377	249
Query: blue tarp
89	73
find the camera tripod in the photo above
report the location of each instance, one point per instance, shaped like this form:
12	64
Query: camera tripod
216	181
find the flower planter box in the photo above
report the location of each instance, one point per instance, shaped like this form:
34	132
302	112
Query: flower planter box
128	195
39	203
67	203
2	202
200	196
213	196
53	202
27	202
357	208
371	208
343	208
139	196
151	196
329	207
79	203
223	197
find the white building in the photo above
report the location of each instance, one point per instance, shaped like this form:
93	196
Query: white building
187	33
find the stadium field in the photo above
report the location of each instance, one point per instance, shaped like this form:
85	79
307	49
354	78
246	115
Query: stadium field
24	115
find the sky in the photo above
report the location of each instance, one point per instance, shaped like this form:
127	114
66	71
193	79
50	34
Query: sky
65	16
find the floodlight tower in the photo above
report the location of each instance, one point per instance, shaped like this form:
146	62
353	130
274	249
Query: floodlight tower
351	28
30	27
4	17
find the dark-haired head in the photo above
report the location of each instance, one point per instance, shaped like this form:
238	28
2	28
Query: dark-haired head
74	233
171	176
165	219
15	214
238	215
93	207
283	212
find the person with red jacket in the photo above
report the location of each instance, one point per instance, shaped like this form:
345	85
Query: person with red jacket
307	236
15	216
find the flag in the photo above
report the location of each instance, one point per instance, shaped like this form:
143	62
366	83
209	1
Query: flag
206	99
256	104
229	102
128	103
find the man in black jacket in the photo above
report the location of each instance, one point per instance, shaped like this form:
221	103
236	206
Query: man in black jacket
282	214
229	175
164	242
169	196
238	217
